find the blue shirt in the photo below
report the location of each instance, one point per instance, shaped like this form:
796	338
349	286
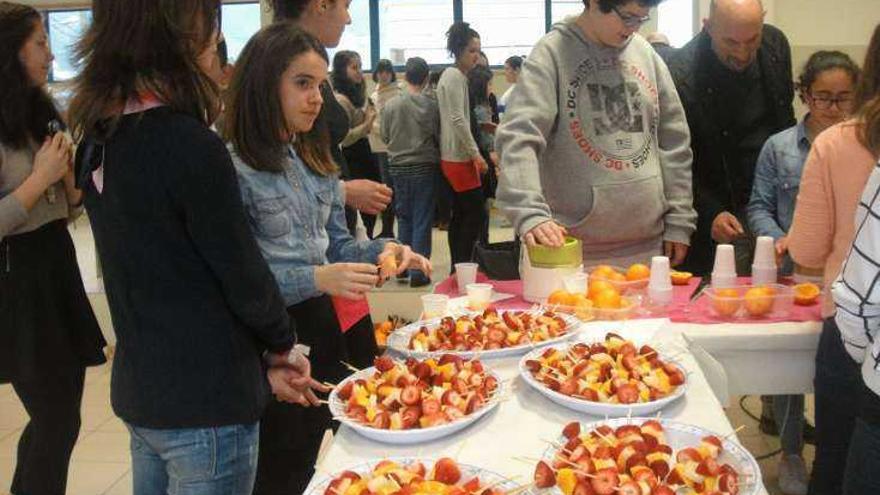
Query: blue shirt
777	181
298	219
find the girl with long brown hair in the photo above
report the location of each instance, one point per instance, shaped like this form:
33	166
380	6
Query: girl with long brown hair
48	333
838	166
195	308
290	187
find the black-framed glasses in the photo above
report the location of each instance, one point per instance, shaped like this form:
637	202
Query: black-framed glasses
825	103
629	20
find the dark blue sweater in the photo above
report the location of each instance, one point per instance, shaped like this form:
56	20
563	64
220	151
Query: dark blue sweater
193	303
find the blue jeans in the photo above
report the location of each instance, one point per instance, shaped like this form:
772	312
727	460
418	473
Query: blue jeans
788	411
200	461
414	198
838	389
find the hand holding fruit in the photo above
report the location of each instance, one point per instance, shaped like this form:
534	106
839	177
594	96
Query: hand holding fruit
548	233
348	280
396	259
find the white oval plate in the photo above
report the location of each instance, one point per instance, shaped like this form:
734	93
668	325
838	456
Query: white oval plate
417	435
599	408
467	473
680	436
398	341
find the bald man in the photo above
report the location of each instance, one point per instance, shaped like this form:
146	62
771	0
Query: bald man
735	82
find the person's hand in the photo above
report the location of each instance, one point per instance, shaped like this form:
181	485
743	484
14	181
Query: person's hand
549	234
675	251
482	166
370	114
367	196
404	259
348	280
726	228
781	249
53	160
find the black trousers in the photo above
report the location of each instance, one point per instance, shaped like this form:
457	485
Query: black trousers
838	388
466	225
290	435
53	404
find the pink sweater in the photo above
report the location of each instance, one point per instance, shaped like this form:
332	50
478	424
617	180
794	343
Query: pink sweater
824	218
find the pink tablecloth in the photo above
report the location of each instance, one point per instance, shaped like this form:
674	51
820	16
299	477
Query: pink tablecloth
680	295
682	310
700	311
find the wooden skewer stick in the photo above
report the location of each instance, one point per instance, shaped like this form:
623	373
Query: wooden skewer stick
328	384
350	366
734	432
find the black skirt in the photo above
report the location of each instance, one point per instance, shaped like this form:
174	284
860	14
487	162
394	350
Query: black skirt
46	322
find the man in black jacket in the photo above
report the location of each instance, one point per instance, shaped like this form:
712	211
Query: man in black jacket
735	82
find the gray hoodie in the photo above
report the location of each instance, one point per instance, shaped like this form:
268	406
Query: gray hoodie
596	139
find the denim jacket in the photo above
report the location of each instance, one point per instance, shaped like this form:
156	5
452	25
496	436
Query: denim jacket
298	219
777	181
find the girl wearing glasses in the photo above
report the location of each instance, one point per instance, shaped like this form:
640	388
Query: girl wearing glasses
821	234
826	85
595	142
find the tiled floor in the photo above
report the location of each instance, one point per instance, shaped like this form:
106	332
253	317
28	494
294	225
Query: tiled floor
101	464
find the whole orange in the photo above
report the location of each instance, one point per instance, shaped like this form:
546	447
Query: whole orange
602	272
759	301
638	272
607	299
597	286
726	302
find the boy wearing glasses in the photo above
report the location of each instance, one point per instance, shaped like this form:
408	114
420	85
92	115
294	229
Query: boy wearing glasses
596	144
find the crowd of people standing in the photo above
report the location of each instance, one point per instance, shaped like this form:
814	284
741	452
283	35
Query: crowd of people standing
233	257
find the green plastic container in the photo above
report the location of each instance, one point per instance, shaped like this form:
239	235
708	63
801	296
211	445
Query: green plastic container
567	256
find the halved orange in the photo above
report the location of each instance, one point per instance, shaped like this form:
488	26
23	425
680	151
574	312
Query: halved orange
806	294
681	278
561	297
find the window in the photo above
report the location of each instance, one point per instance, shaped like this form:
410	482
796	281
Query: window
506	27
675	19
65	29
564	8
240	22
356	36
415	28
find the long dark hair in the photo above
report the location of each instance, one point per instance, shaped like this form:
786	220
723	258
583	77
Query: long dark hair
355	92
867	102
478	85
289	10
255	120
25	109
134	46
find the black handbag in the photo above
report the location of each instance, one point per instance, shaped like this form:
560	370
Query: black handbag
499	260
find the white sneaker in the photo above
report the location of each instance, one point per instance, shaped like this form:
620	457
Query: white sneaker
792	475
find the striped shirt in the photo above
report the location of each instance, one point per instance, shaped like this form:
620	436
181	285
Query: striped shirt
857	290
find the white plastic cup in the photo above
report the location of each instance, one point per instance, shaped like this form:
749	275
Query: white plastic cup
434	305
576	283
465	274
660	284
724	271
764	264
479	296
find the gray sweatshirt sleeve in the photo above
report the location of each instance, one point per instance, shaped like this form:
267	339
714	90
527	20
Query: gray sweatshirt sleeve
676	159
522	139
12	214
451	100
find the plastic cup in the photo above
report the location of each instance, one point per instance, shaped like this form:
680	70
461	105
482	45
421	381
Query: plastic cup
434	305
724	271
465	274
660	285
576	283
764	264
479	296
